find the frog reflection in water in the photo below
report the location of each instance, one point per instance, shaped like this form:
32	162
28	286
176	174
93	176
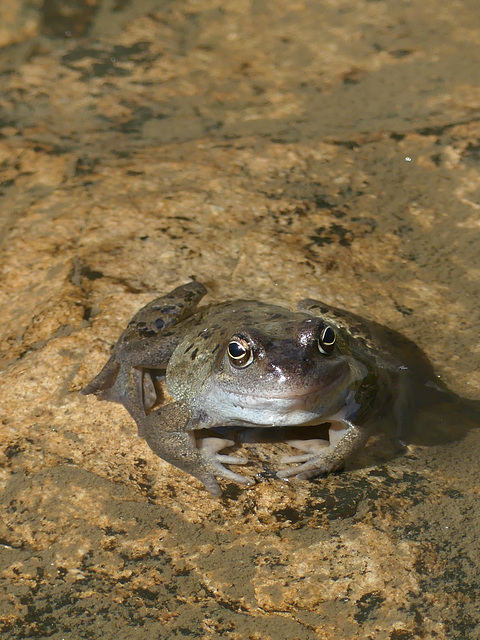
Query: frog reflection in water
249	364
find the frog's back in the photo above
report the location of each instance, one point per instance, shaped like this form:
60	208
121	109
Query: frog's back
392	351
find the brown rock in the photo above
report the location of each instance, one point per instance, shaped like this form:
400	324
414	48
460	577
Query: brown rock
272	150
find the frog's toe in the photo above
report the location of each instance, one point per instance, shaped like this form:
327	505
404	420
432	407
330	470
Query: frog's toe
303	457
311	448
311	473
230	459
285	474
222	471
216	470
210	446
211	484
313	466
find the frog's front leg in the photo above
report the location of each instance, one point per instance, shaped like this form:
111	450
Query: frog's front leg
165	431
344	440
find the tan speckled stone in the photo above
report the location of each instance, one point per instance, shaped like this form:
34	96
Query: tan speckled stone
275	150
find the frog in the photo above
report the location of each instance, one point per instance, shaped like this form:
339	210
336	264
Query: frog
252	364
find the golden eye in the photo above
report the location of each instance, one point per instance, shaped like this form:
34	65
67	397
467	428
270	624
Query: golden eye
326	341
240	353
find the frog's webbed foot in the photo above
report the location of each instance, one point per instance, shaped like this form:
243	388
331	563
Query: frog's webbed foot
166	434
209	448
323	456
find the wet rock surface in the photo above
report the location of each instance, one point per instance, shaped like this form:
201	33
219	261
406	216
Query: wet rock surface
274	151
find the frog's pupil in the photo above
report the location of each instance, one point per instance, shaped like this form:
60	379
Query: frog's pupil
328	337
236	350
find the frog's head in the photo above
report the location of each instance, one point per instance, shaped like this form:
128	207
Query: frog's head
285	371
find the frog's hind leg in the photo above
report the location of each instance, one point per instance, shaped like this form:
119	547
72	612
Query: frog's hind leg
151	324
144	346
129	386
103	380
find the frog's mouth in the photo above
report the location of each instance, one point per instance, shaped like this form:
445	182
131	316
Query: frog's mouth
293	398
308	406
304	402
300	392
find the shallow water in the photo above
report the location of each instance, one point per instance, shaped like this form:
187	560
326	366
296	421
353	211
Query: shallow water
274	151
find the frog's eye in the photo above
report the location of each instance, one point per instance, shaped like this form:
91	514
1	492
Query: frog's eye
326	341
240	353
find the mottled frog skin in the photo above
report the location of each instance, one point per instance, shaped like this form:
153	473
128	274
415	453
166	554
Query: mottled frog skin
250	364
